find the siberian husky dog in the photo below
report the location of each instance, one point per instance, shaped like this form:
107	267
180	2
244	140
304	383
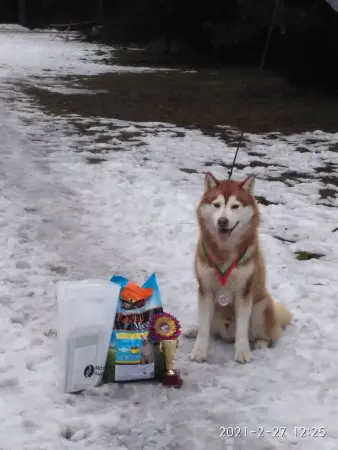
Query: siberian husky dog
233	301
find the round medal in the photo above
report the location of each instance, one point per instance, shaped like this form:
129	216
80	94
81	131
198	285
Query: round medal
222	300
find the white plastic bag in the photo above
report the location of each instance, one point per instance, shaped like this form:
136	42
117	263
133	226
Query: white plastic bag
86	311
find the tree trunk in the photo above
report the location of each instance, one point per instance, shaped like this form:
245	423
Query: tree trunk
22	12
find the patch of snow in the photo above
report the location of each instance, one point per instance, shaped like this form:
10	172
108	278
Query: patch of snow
42	54
13	28
132	214
68	90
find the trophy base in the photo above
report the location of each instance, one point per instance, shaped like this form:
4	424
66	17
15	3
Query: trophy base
172	380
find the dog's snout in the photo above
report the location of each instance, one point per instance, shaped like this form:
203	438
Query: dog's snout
223	222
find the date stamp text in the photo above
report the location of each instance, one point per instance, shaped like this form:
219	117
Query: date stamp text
277	432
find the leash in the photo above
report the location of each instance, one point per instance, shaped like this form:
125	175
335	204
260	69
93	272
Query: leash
222	276
235	157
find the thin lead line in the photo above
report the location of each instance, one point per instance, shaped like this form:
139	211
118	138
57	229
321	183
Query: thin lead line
235	157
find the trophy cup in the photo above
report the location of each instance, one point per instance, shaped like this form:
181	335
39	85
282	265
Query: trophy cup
165	329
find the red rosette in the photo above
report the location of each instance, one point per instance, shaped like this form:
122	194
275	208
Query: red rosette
164	326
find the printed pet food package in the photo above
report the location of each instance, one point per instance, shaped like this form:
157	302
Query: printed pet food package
131	354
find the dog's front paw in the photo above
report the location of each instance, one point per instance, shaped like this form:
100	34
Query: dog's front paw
199	353
242	353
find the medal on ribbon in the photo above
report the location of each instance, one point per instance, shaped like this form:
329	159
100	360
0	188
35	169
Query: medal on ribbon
222	300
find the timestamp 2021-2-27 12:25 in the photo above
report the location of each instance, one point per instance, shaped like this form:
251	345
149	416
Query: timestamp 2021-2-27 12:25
277	432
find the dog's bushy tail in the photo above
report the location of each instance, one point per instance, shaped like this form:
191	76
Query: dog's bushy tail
284	316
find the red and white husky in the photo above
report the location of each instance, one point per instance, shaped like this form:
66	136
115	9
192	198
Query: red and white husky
233	301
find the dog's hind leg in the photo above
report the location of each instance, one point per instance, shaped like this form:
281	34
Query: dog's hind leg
215	331
260	344
191	333
265	328
206	308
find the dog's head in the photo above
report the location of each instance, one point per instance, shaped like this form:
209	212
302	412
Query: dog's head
145	339
228	210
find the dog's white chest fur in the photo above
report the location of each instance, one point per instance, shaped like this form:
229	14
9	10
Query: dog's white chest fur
234	284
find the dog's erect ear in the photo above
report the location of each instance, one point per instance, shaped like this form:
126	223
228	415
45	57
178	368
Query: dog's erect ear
249	184
209	181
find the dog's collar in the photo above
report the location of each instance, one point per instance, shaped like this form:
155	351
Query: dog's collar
222	275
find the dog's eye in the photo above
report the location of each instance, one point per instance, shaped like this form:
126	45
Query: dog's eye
217	205
235	207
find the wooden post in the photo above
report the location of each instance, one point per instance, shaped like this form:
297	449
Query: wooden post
22	8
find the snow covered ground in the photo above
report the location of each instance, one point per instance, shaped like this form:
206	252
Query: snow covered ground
131	214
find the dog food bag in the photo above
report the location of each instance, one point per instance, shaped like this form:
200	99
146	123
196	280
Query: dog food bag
132	354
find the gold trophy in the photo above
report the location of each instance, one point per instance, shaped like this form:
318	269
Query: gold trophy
165	329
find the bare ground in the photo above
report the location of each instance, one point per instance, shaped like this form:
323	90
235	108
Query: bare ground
240	97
